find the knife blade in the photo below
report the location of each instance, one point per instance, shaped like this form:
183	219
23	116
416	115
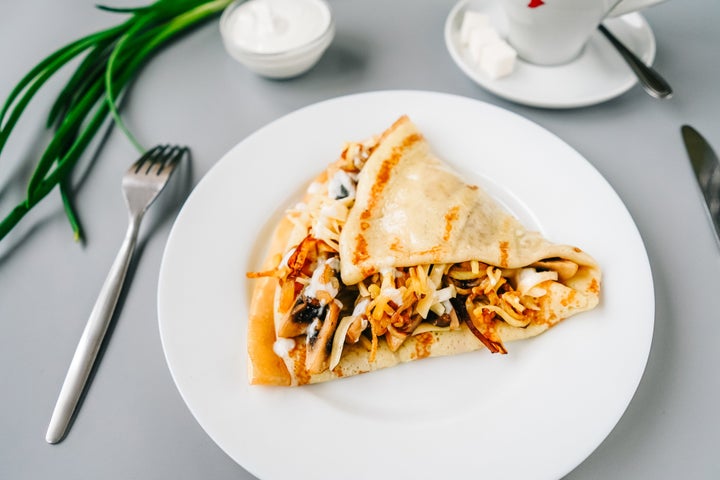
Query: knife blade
706	166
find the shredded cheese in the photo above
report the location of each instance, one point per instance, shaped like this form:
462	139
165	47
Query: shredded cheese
528	278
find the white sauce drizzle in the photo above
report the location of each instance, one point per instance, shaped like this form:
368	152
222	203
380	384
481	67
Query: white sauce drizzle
332	287
282	347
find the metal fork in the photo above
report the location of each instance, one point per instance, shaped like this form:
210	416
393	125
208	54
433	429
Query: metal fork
141	184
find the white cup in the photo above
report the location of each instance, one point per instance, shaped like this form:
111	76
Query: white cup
553	32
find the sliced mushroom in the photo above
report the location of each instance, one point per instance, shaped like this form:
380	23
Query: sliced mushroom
297	319
394	338
566	269
464	286
319	341
355	329
410	327
440	320
360	321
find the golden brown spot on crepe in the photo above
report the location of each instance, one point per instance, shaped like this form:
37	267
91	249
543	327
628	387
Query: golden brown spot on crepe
577	249
594	286
383	175
364	225
450	217
434	251
546	316
298	353
361	252
338	371
568	299
504	253
396	246
366	272
423	342
473	187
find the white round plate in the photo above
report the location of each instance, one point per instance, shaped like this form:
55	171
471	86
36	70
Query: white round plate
597	75
534	413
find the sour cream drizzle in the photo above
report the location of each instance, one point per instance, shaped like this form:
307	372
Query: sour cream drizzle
315	281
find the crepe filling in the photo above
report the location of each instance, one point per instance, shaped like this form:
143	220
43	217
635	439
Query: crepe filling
394	304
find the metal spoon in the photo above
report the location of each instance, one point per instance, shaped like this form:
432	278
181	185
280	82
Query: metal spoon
653	83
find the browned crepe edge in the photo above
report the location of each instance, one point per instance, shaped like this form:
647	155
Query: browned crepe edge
264	366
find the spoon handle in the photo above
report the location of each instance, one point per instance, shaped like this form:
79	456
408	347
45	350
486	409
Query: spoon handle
651	81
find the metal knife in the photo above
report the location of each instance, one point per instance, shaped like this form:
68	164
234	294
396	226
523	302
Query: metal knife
707	173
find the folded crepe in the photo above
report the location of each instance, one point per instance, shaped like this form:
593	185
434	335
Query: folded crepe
391	257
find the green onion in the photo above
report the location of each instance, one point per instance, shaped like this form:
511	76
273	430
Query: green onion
112	60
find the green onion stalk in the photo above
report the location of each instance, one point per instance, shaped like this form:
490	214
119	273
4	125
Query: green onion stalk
112	59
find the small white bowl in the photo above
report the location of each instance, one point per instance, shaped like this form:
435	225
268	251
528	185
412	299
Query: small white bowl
282	64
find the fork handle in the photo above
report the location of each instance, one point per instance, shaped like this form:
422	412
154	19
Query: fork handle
92	337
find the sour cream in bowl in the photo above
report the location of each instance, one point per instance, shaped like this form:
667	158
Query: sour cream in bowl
277	38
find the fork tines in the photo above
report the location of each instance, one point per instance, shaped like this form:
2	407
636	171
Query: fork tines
160	157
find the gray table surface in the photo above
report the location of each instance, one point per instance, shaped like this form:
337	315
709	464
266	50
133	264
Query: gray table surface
133	422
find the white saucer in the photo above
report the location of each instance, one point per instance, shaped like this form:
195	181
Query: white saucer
597	75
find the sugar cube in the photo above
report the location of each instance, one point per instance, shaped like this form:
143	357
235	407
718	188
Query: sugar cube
479	39
497	59
471	21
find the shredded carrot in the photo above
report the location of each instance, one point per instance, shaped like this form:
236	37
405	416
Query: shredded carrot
266	273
